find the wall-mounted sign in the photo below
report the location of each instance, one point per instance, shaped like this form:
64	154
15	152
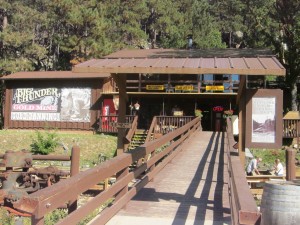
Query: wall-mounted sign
155	87
51	104
184	88
218	109
121	125
214	88
264	118
178	113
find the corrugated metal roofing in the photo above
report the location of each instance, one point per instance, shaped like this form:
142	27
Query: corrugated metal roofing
168	61
38	75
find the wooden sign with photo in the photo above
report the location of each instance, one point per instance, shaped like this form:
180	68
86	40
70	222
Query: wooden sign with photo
264	118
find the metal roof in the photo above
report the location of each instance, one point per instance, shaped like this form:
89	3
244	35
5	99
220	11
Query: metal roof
39	75
168	61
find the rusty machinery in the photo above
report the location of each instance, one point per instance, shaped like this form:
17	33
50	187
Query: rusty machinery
18	177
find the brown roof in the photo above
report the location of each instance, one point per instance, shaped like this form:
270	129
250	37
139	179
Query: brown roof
170	61
38	75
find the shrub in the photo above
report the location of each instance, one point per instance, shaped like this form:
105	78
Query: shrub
6	218
55	216
44	144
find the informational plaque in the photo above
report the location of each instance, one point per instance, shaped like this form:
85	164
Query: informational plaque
264	118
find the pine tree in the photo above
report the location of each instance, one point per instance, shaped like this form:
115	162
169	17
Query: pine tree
125	23
205	30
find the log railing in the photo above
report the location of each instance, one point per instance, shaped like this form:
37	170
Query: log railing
161	150
242	204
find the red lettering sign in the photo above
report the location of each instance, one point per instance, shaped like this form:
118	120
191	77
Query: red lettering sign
218	109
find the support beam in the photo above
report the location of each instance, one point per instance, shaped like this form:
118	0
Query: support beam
123	98
242	88
241	101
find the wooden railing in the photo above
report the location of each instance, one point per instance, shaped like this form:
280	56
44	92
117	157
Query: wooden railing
291	128
163	125
161	150
105	123
166	124
243	206
172	85
132	130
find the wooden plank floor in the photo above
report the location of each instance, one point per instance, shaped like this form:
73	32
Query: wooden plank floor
192	189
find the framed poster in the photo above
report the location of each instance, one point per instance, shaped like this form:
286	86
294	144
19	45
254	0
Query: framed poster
51	104
264	118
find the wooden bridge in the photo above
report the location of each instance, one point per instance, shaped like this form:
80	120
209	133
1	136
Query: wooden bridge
192	189
186	176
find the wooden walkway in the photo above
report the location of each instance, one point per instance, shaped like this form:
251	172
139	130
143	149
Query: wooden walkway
192	189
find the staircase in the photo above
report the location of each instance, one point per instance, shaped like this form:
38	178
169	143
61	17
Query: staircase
138	139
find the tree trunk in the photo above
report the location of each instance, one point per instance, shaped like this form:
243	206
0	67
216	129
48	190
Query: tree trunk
4	23
294	103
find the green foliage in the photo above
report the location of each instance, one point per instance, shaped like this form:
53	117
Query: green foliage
55	216
198	113
44	143
55	35
6	218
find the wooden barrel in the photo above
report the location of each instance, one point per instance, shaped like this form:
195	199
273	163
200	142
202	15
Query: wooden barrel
280	203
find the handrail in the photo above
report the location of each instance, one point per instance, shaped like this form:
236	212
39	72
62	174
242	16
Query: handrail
132	130
46	200
105	122
166	124
242	204
151	129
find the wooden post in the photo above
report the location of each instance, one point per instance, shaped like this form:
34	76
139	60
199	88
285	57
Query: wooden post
290	156
123	98
242	119
75	161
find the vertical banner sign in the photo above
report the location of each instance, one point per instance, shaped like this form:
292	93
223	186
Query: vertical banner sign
51	104
264	118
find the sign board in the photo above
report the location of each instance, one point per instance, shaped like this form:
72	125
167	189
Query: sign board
184	88
178	113
264	118
51	104
214	88
218	109
155	87
120	125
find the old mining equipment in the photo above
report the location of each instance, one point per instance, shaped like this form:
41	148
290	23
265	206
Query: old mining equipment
18	178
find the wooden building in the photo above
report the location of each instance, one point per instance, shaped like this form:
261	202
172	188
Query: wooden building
57	99
162	81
